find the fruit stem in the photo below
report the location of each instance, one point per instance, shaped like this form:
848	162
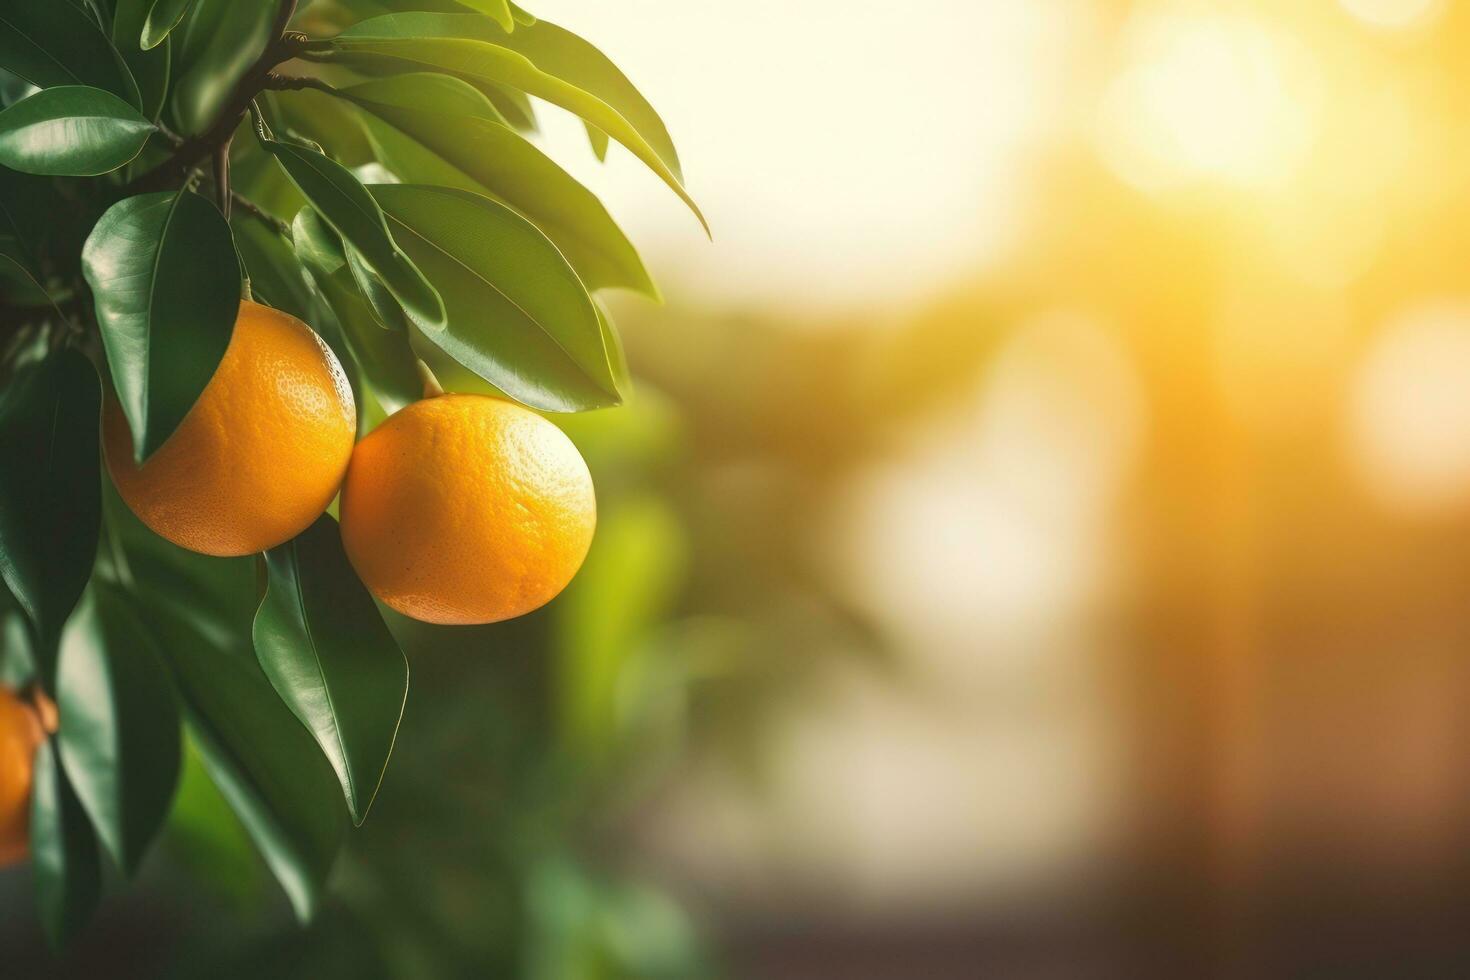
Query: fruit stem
432	387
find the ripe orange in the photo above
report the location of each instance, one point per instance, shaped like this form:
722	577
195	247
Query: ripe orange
20	735
259	456
467	509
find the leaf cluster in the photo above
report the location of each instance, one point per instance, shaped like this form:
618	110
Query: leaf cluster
365	165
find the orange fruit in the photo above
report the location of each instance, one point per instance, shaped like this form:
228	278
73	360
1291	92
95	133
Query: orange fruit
467	509
20	735
259	456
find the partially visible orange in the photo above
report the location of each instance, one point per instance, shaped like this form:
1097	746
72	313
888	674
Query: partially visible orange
20	736
467	509
259	456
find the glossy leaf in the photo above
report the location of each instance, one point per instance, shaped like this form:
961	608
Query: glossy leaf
56	43
68	873
549	64
119	736
166	281
163	17
71	131
273	267
49	499
384	357
518	315
480	152
346	206
213	47
323	644
150	68
265	764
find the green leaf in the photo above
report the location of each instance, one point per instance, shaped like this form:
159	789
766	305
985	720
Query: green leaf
346	206
68	874
598	139
511	103
56	43
518	315
119	736
49	500
150	68
522	16
163	17
213	48
71	131
497	10
166	281
474	150
265	764
541	60
384	357
617	357
275	271
323	644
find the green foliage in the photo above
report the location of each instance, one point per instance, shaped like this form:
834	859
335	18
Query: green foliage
326	650
71	131
166	284
49	505
63	851
120	743
160	159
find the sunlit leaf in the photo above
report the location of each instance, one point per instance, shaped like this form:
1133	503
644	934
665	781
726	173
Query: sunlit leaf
454	123
166	281
71	131
541	60
350	210
384	357
518	315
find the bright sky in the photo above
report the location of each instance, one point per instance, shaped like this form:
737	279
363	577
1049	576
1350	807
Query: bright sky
850	154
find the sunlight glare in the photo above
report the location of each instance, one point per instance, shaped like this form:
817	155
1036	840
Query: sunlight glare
1206	97
1394	13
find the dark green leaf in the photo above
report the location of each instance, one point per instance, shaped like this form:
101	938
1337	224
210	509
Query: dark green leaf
518	315
49	500
166	281
350	210
385	309
213	48
162	18
384	357
71	131
56	43
265	764
275	270
119	735
479	152
540	59
323	644
150	68
68	873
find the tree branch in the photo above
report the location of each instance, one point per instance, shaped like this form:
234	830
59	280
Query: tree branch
283	46
256	211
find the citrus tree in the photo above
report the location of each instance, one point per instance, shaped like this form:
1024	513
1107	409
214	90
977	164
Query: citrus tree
245	250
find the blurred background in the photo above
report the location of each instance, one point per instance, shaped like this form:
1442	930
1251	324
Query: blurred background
1039	545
